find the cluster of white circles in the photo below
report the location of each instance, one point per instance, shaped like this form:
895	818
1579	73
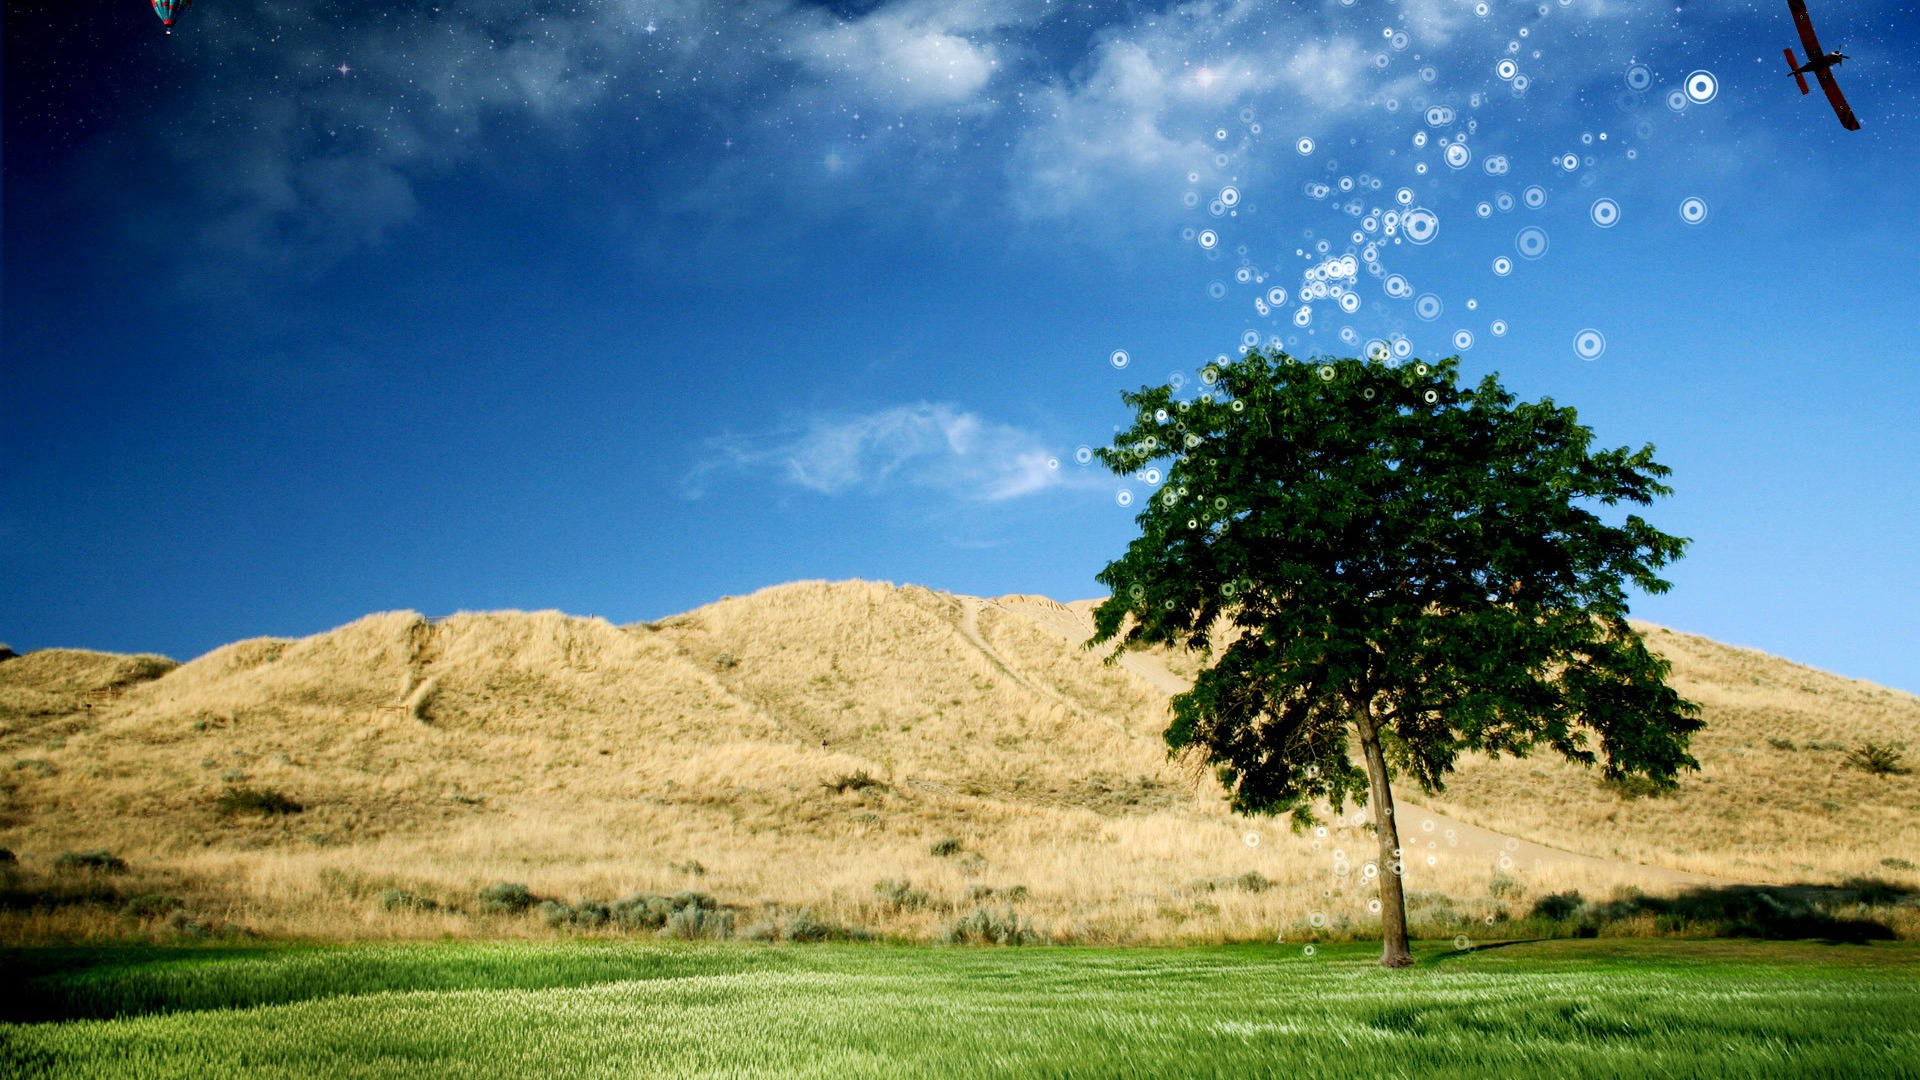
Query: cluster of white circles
1376	228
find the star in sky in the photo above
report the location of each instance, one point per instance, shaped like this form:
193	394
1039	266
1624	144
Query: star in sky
343	68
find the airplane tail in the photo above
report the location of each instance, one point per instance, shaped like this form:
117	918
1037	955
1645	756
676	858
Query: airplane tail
1795	68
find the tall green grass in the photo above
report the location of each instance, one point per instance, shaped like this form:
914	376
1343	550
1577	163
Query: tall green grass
1599	1008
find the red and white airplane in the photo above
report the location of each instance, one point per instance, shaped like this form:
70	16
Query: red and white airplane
1819	64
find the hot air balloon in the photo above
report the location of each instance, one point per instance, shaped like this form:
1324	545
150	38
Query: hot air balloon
169	10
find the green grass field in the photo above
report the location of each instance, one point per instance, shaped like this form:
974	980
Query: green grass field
1569	1008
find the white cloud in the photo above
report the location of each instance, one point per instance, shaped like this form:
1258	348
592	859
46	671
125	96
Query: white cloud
929	446
899	59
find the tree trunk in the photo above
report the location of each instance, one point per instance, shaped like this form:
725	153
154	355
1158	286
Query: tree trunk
1394	952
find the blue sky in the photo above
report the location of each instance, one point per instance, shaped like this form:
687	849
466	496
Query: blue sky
618	307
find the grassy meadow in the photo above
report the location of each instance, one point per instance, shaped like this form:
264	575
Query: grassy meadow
1562	1009
858	760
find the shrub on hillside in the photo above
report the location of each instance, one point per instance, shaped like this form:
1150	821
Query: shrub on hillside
506	898
947	848
898	895
587	914
263	801
1558	906
682	915
804	927
1878	759
696	923
858	781
984	926
1782	744
101	861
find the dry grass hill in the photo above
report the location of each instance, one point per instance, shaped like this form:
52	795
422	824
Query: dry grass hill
878	758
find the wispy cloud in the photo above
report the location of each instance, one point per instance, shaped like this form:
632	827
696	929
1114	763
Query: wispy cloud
906	55
926	446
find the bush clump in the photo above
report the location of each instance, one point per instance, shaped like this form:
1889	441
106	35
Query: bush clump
1880	759
1559	907
1501	885
586	915
690	868
263	801
947	848
900	895
984	926
102	862
689	915
1782	744
1004	892
506	898
859	781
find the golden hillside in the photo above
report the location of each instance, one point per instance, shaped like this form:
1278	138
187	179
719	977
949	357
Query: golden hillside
590	760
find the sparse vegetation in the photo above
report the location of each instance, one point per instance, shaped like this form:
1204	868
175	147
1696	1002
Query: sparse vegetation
405	900
1253	881
946	848
151	905
691	868
263	801
1630	788
98	861
1014	893
37	766
900	895
1880	759
858	781
1782	744
985	926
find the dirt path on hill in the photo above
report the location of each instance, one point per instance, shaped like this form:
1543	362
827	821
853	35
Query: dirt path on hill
1074	622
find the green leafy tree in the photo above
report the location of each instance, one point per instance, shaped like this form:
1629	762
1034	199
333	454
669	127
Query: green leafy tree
1393	560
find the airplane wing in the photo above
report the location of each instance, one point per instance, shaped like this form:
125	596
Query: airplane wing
1804	23
1839	103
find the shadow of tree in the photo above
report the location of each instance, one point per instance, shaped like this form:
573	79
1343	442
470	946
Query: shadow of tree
1836	913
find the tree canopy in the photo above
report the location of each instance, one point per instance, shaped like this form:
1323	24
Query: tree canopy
1425	565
